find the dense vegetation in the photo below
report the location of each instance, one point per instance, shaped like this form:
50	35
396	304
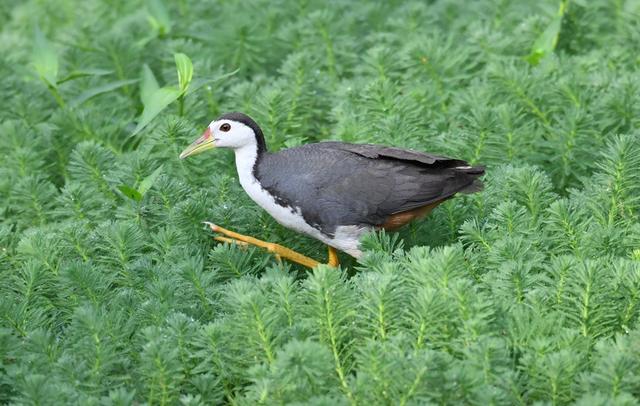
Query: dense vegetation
113	293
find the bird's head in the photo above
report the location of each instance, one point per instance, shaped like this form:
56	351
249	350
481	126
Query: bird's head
231	130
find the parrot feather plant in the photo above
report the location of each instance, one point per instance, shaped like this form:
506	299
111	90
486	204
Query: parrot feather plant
113	292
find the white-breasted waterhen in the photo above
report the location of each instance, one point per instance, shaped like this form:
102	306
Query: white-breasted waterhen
334	191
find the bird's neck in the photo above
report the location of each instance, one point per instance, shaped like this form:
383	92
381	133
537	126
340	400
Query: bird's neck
247	159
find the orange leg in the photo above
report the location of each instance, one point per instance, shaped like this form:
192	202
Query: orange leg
334	261
277	249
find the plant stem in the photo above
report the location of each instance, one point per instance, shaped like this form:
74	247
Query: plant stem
57	96
181	105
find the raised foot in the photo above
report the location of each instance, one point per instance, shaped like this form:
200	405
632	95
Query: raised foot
277	249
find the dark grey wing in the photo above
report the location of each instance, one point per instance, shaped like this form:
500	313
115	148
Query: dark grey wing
380	151
422	178
336	186
330	187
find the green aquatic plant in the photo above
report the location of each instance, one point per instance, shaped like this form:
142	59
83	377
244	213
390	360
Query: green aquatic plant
113	292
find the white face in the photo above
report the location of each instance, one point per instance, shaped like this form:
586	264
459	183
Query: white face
231	134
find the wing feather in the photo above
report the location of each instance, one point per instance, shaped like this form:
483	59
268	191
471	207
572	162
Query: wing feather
337	184
380	151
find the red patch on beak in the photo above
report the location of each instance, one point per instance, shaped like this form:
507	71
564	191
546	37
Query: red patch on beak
207	134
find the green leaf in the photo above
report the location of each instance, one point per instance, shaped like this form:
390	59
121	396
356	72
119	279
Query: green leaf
185	71
148	85
147	182
130	192
159	16
546	43
160	99
83	73
45	59
98	90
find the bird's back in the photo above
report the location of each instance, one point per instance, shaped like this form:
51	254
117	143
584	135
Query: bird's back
336	184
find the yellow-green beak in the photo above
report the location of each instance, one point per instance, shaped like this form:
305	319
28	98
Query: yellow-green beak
201	144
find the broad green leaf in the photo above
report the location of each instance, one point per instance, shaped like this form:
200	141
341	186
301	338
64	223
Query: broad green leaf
45	59
83	73
160	99
546	43
185	71
159	16
148	85
95	91
130	192
147	182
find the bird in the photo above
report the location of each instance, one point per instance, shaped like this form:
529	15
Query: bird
333	191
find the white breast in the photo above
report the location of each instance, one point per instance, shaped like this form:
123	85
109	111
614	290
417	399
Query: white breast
288	217
346	237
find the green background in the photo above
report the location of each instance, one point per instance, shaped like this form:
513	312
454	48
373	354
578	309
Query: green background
112	292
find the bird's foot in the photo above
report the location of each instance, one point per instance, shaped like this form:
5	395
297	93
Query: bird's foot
278	250
231	241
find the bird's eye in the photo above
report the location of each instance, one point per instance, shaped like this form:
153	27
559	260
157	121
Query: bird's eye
225	127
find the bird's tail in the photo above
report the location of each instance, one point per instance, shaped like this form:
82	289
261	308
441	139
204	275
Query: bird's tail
471	174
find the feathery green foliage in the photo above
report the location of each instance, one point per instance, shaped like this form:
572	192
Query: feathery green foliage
114	293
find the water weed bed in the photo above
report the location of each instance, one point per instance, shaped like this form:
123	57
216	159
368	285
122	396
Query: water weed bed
114	293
